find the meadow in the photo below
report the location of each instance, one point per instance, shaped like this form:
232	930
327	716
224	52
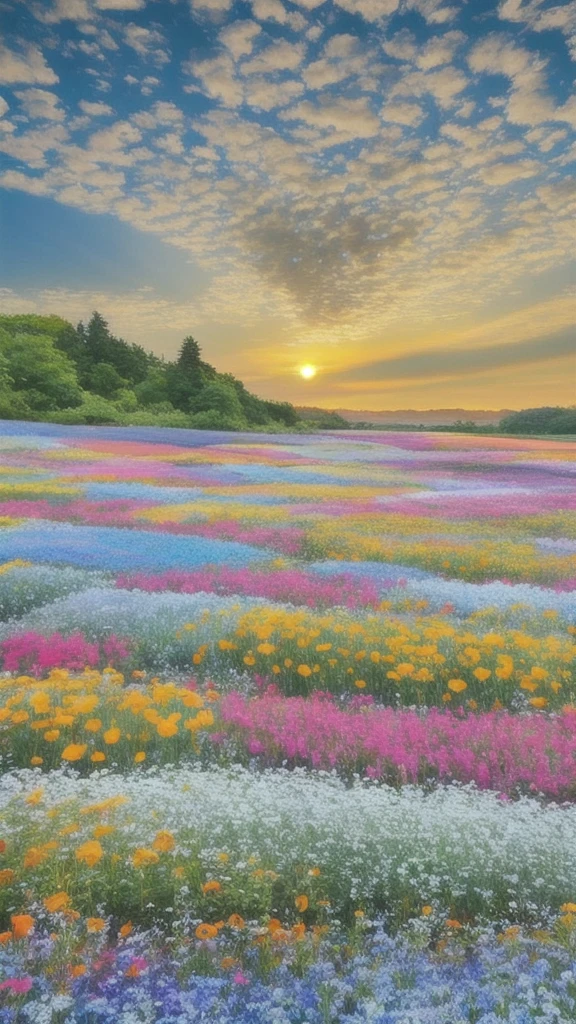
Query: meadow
287	727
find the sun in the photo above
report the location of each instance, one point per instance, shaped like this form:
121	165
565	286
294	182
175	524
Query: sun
308	371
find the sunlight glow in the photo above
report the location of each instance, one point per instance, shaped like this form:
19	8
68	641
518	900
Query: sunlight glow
307	372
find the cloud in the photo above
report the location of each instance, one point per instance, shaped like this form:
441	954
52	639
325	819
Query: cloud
218	77
238	37
95	109
540	18
504	173
63	10
270	10
278	56
403	113
212	6
120	5
346	118
266	95
40	104
460	361
147	42
28	66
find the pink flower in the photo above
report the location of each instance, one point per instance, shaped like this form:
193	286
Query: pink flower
240	979
17	985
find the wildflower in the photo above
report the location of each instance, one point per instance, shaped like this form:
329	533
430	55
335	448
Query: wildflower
7	876
74	752
22	925
95	924
112	736
206	931
164	842
482	673
59	901
235	921
568	908
36	760
457	685
360	683
90	853
452	923
301	903
538	702
98	756
125	930
93	724
211	886
142	857
77	970
304	670
139	757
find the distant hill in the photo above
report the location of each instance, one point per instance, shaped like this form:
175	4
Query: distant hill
409	417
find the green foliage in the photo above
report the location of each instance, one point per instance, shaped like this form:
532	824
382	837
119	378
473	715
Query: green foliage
543	420
54	371
39	370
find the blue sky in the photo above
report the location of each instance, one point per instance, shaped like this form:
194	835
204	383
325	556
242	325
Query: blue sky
368	186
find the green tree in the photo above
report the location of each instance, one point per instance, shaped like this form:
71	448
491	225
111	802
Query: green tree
220	397
105	380
187	376
38	369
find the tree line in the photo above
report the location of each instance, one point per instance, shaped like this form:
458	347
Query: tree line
51	370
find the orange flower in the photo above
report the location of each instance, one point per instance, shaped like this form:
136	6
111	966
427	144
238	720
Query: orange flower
457	685
74	751
112	736
206	931
78	970
235	921
568	908
97	756
2	846
164	842
301	903
142	857
90	853
133	971
6	876
359	914
227	962
36	760
212	886
298	930
93	724
95	924
5	937
51	735
360	683
314	872
304	670
139	757
427	910
482	673
125	930
22	925
59	901
452	923
34	797
538	702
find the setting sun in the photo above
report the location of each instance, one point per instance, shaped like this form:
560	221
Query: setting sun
307	372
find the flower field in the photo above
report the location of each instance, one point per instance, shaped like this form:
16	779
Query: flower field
287	728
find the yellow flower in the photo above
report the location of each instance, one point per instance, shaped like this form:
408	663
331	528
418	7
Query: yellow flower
90	853
427	910
112	735
51	735
93	724
139	757
266	648
95	924
166	727
301	903
36	760
59	901
482	673
212	886
304	670
538	702
164	842
98	755
7	876
34	797
360	683
457	685
125	930
103	830
74	751
568	908
206	931
142	857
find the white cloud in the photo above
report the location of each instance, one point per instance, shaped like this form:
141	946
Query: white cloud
170	143
147	42
238	37
347	118
504	173
63	10
40	104
95	109
3	106
370	10
541	18
403	113
28	66
266	95
24	183
278	56
120	5
433	11
213	6
218	77
439	50
269	10
160	113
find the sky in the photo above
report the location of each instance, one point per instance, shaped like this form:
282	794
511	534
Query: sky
383	189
